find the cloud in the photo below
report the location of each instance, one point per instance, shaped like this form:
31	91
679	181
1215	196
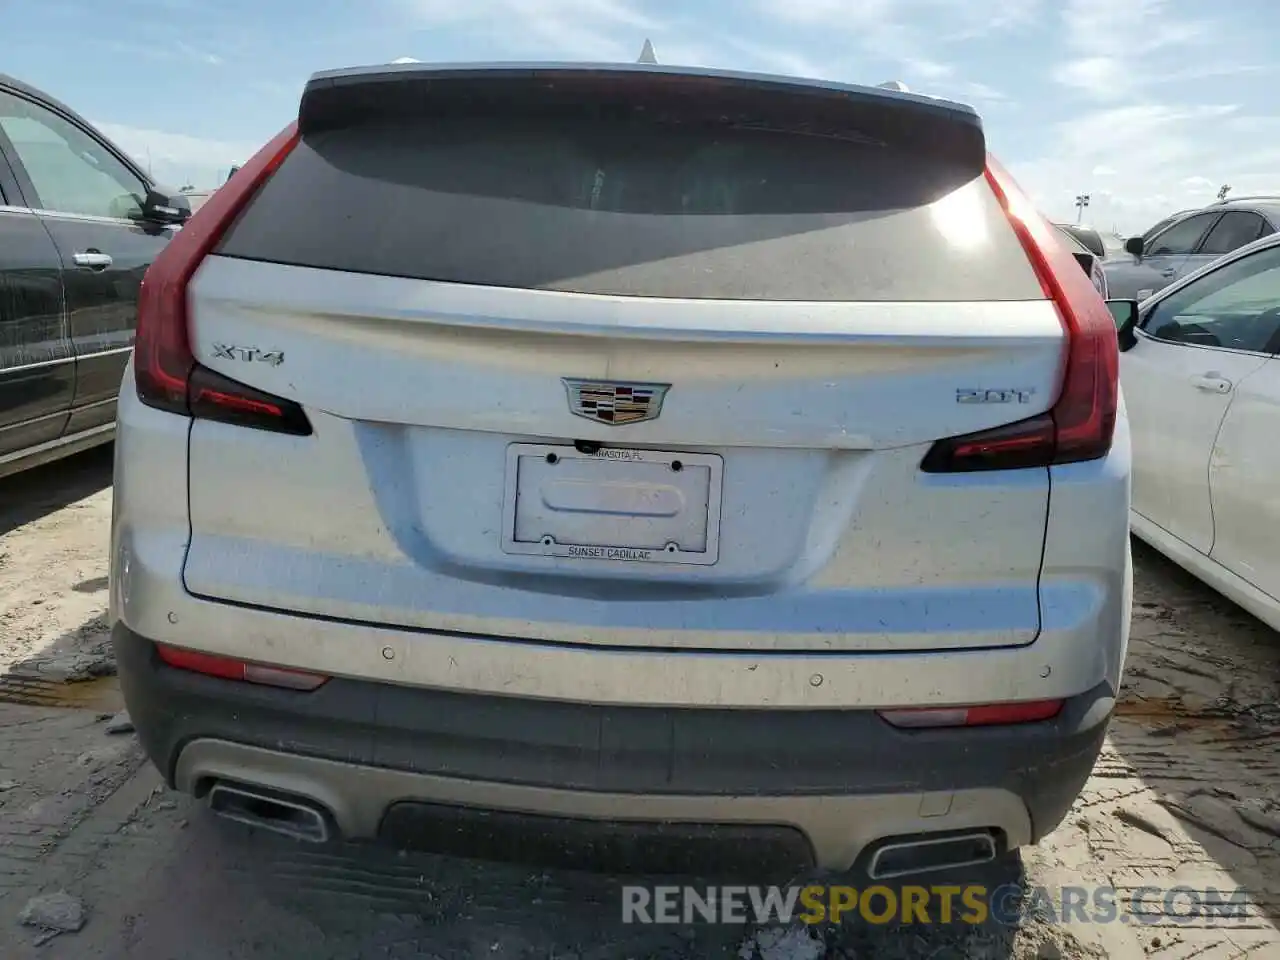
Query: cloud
607	30
200	56
1140	162
1130	30
929	69
168	52
922	20
731	52
176	159
1147	144
1212	71
894	33
586	29
911	37
1121	50
1104	78
770	59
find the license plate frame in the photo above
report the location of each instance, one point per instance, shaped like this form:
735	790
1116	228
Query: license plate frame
654	481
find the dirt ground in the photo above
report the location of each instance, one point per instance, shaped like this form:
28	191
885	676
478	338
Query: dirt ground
1186	794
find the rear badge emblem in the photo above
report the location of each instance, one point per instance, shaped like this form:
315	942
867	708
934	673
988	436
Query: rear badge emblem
615	403
1002	395
226	351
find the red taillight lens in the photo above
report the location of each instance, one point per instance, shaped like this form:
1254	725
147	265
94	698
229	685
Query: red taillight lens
165	370
214	397
986	715
227	668
1081	424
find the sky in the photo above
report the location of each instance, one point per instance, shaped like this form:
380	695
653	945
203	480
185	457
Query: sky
1147	106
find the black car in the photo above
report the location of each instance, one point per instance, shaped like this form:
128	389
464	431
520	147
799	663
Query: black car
1088	237
1089	261
79	225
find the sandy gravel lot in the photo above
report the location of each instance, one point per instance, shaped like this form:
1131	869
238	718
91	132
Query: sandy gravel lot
1186	794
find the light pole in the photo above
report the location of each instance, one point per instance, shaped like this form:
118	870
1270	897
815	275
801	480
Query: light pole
1082	201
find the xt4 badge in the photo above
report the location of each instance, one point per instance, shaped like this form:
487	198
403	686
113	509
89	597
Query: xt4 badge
227	351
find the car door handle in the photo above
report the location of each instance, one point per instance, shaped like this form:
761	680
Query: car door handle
93	259
1212	382
1168	272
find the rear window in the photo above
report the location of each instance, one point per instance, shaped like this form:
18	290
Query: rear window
687	211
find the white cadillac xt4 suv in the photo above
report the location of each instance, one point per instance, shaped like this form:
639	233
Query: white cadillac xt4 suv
624	452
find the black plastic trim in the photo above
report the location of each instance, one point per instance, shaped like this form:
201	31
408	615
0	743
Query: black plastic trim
597	748
364	95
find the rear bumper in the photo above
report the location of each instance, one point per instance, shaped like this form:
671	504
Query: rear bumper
837	780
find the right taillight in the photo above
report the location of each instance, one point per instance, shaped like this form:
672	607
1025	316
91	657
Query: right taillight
166	373
1082	422
985	715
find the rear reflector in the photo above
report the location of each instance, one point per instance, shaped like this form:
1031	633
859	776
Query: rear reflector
1030	711
166	374
1081	424
227	668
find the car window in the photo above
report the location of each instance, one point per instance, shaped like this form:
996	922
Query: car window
633	208
70	170
1152	231
1236	307
1232	232
1112	245
1182	237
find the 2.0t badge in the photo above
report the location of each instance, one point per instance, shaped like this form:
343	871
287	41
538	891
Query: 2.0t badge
615	402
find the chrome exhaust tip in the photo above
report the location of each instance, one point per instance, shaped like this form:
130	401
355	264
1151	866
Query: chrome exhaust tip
900	858
298	818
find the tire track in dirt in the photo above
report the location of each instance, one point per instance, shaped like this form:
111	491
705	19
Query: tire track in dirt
1188	783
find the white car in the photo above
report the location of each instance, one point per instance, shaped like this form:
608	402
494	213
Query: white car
1201	381
595	450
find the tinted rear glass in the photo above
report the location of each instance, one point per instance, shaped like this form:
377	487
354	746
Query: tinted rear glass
636	210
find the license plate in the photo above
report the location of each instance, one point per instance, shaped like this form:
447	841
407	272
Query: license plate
632	506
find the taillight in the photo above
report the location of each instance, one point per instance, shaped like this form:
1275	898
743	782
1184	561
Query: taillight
211	396
986	715
228	668
1081	424
165	370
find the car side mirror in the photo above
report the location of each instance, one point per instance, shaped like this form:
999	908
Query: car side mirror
1135	246
1125	315
165	207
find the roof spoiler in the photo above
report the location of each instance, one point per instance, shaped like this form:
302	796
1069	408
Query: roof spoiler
354	97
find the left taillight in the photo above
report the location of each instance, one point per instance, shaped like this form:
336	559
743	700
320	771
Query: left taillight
166	374
228	668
